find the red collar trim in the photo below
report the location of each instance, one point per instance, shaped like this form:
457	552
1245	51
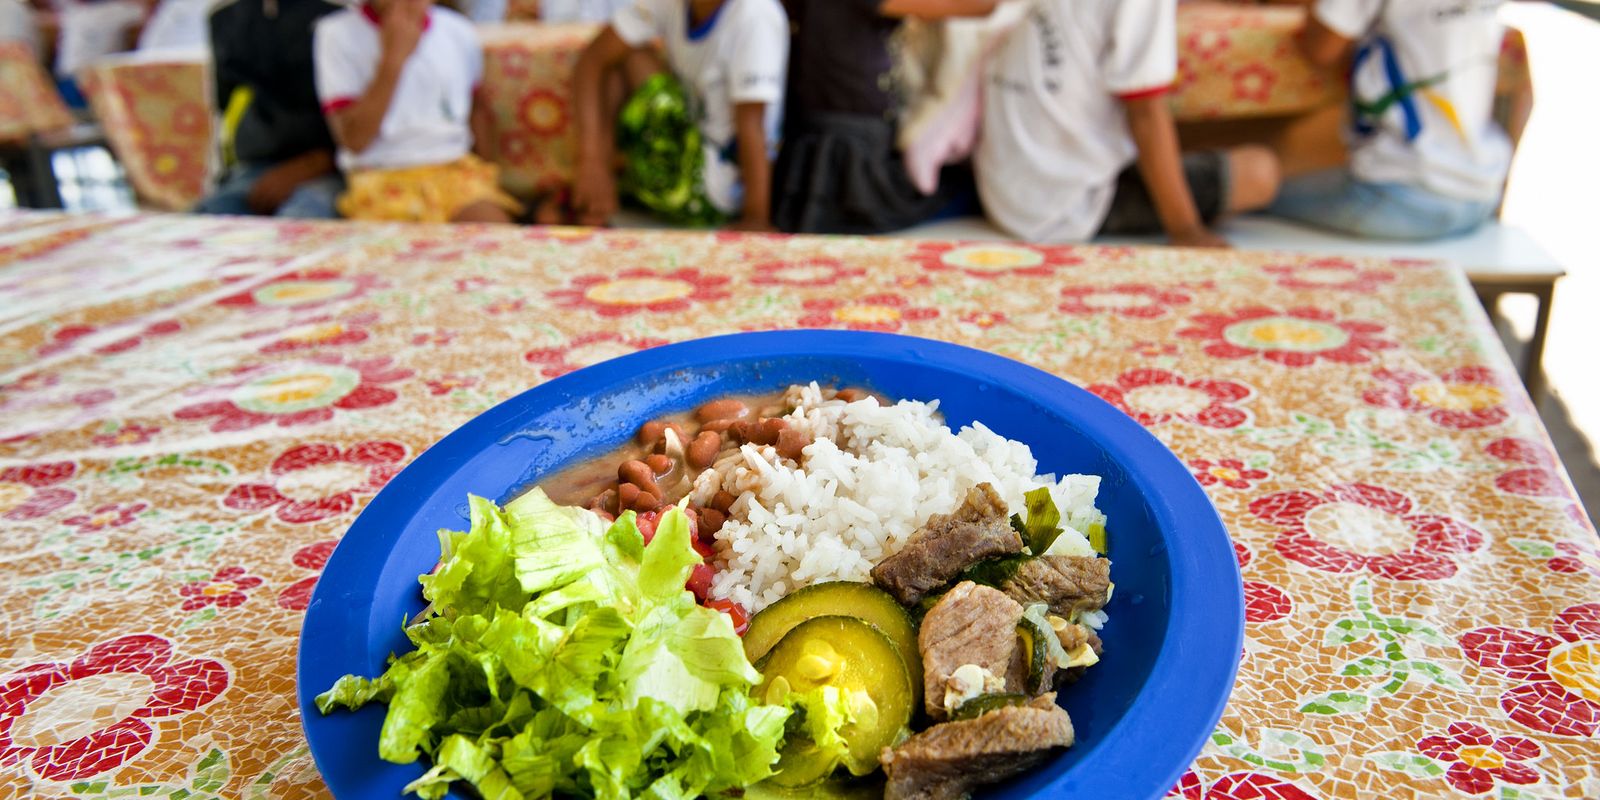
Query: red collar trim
372	16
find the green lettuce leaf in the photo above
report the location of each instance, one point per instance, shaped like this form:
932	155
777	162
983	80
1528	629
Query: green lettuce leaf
564	656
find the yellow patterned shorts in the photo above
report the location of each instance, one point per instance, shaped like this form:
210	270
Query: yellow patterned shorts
432	193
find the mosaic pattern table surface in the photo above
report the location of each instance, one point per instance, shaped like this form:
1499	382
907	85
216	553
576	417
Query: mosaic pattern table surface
192	411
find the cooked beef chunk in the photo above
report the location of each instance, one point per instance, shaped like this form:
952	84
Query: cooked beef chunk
1071	639
947	544
971	624
1017	671
947	760
1069	584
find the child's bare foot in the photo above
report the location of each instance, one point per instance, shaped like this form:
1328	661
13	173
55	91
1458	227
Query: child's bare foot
482	211
551	210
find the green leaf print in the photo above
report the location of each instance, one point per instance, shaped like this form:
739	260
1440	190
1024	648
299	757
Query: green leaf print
1279	750
1391	664
206	779
210	774
1533	548
1346	631
1335	703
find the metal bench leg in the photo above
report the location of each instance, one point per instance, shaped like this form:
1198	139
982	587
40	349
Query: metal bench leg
1533	359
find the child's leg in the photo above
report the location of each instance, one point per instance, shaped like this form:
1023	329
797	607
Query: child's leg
1253	178
616	87
1335	200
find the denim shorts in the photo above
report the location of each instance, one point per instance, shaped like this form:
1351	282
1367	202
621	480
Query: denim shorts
1338	201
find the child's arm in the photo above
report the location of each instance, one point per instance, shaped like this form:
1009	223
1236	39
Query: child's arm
755	168
482	120
937	9
356	126
594	188
1320	44
1161	166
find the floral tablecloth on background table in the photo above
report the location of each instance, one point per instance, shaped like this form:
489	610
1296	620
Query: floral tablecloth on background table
192	411
29	102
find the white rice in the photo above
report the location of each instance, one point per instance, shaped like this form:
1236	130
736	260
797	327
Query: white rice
873	475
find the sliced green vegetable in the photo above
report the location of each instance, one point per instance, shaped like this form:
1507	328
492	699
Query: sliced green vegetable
864	665
863	601
1043	522
983	704
1097	537
994	571
1035	639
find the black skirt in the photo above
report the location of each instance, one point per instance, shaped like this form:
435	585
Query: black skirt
841	173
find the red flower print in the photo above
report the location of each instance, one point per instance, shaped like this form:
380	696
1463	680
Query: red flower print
804	272
1230	472
1477	759
1136	300
321	331
586	350
228	588
543	112
1572	558
191	119
1254	82
304	289
1238	786
1354	527
63	337
984	319
163	328
70	721
1207	43
113	515
313	557
297	392
33	491
1538	478
506	305
564	234
33	382
472	284
991	260
1294	338
449	383
1263	602
1155	396
1329	273
874	312
313	482
127	434
636	290
1153	349
1465	398
171	165
436	338
1558	677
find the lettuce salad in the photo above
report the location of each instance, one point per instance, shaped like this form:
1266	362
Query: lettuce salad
559	655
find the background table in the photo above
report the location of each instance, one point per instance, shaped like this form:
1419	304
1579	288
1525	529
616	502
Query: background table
1236	62
29	102
192	411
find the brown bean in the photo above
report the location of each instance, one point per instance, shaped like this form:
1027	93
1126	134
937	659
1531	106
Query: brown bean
635	472
627	494
650	432
711	521
606	501
791	442
722	501
661	444
646	502
767	431
703	450
719	425
726	408
849	395
658	463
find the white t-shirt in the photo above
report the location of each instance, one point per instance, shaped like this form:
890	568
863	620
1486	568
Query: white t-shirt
92	31
580	10
429	118
1055	134
740	55
1435	64
178	25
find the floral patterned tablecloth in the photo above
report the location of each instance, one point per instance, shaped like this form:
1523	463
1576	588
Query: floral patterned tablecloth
29	102
192	411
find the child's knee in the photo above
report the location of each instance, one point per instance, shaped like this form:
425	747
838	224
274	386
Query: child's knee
1254	177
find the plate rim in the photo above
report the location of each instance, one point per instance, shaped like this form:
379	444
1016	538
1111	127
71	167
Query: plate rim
1120	764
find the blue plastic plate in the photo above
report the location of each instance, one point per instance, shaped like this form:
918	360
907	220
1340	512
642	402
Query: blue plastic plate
1177	617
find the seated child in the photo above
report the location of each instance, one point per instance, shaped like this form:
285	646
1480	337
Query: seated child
839	170
1077	138
580	10
397	80
698	142
1426	159
278	154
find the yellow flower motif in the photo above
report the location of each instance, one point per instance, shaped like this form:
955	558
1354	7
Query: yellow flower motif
1457	396
639	291
1577	667
867	314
